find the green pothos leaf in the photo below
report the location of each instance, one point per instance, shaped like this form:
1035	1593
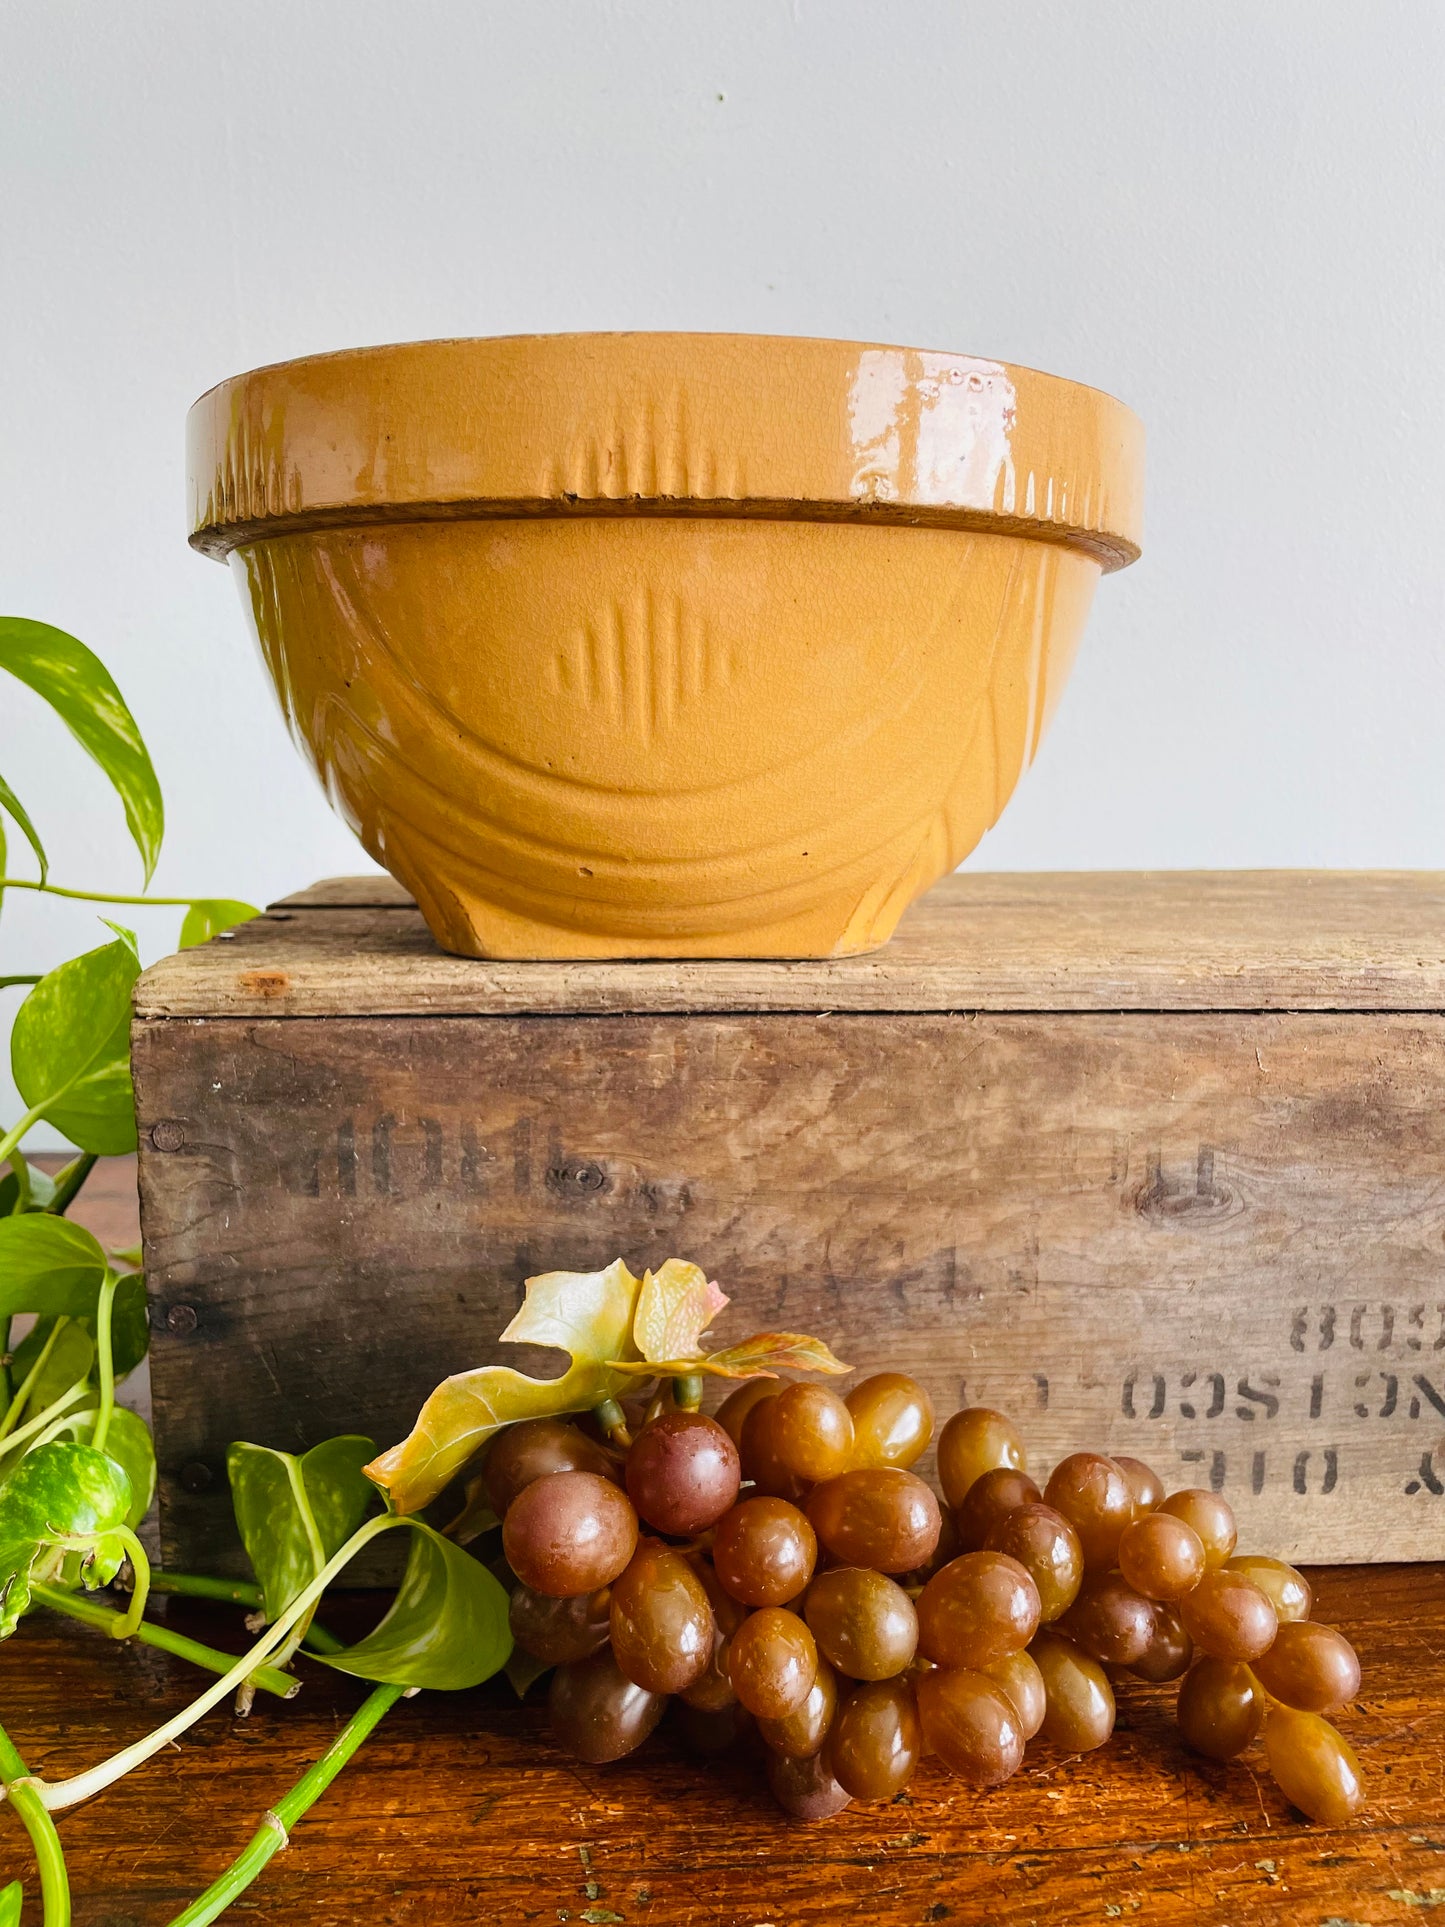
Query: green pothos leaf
70	1048
587	1314
12	1898
61	1497
208	915
294	1513
447	1627
48	1265
128	1442
11	803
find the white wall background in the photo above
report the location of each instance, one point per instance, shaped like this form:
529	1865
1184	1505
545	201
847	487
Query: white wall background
1229	214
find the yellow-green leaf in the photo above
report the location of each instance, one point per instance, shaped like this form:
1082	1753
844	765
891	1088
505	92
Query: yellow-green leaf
763	1355
674	1308
209	915
587	1314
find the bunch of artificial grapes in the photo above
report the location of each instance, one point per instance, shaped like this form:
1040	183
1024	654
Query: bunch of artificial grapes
781	1570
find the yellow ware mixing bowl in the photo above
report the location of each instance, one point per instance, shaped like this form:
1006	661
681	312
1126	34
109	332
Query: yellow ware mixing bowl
664	645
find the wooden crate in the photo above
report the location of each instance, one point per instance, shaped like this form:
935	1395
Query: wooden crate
1154	1162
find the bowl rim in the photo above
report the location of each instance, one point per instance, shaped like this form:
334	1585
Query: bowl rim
637	423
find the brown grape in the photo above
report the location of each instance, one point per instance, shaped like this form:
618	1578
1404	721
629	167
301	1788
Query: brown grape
1048	1549
1313	1765
710	1730
1228	1617
883	1517
949	1546
1018	1676
1169	1652
713	1690
1144	1482
772	1662
733	1411
801	1733
1310	1667
812	1432
862	1621
1110	1621
534	1449
1098	1502
762	1465
1211	1517
568	1533
597	1713
1078	1699
980	1608
892	1420
662	1625
1221	1708
970	1723
558	1630
876	1739
764	1551
990	1499
805	1789
1161	1556
1288	1591
682	1473
974	1441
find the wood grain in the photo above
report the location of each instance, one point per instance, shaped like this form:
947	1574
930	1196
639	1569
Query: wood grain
1261	940
1214	1240
460	1810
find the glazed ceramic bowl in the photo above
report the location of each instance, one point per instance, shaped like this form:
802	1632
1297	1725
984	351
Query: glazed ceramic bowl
665	645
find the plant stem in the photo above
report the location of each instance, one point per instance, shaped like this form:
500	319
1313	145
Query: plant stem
42	1419
237	1592
104	1304
140	1567
22	1793
613	1420
95	896
687	1391
17	1404
284	1685
17	1131
69	1181
7	982
274	1830
59	1794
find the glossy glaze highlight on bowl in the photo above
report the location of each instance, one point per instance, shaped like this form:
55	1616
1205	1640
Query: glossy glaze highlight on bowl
665	645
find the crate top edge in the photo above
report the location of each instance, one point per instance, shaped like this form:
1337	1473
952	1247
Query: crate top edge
1281	940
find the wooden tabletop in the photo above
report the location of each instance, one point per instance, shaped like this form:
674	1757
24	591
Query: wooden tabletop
460	1810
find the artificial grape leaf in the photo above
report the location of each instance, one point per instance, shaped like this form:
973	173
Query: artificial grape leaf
294	1513
80	689
476	1515
11	802
62	1496
70	1048
207	915
446	1628
674	1308
128	1441
587	1314
48	1265
12	1899
763	1355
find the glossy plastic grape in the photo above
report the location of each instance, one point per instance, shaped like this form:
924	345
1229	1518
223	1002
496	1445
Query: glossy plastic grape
980	1608
1313	1765
805	1789
812	1432
713	1690
1097	1500
1110	1621
884	1518
1019	1677
1169	1652
709	1731
892	1420
1144	1482
801	1733
536	1448
662	1625
1161	1556
1288	1591
682	1473
949	1546
1228	1617
764	1551
598	1714
763	1465
568	1533
876	1739
1078	1699
772	1662
1310	1667
559	1630
732	1413
1221	1708
974	1441
970	1723
1211	1517
1048	1549
989	1500
864	1622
